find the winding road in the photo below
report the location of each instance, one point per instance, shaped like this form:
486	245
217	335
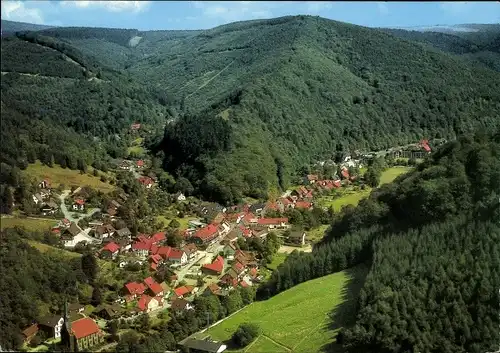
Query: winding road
68	214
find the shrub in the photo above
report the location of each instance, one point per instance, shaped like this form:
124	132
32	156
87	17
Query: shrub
245	334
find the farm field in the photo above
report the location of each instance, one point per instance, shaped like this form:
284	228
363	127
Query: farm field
67	177
30	224
283	329
390	174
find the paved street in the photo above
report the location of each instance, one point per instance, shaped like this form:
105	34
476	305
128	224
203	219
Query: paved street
68	214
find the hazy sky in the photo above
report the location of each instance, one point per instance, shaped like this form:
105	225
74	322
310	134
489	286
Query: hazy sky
145	15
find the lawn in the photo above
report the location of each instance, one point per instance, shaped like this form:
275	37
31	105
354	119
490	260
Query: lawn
30	224
316	234
183	221
390	174
278	259
46	248
349	197
68	177
299	318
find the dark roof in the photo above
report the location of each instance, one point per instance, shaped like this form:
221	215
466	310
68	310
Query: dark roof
73	229
124	232
206	346
112	310
75	307
179	304
50	321
257	206
296	234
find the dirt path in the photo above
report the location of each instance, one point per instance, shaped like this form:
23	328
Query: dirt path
288	249
210	80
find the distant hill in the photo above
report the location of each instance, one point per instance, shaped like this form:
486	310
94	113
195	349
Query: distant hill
10	27
479	43
256	100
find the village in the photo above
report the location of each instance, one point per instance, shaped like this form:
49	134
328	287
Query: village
208	260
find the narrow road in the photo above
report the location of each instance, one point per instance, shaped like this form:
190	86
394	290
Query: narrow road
68	214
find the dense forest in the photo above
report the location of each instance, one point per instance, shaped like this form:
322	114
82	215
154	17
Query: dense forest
289	91
432	240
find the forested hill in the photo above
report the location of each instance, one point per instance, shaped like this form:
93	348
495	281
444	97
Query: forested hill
432	241
11	27
298	88
281	92
60	105
476	43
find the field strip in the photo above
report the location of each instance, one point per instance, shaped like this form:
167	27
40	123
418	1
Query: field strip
277	343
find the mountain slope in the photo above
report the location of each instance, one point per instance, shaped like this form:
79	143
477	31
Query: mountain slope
60	105
298	88
11	27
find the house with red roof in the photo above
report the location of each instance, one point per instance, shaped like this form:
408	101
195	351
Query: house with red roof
44	184
425	145
215	268
172	254
345	174
146	181
230	279
134	289
147	304
206	234
154	287
273	223
238	267
213	289
142	247
303	205
110	250
79	204
140	163
158	237
154	261
183	291
85	334
135	126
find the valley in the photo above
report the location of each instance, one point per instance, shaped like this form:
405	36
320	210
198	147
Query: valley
294	184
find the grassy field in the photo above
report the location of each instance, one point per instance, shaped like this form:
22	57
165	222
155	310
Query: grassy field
299	319
46	248
390	174
349	197
278	259
316	234
68	177
183	221
136	148
30	224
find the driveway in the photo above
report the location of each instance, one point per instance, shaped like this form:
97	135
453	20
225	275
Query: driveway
69	214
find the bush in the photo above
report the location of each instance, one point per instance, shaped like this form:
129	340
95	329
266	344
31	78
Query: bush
245	334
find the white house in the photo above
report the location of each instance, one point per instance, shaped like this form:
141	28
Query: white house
37	198
52	325
79	205
181	197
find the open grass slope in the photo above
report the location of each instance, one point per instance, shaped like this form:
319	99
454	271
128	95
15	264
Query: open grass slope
66	177
30	224
390	174
299	319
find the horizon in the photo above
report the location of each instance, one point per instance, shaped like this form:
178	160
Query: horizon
196	15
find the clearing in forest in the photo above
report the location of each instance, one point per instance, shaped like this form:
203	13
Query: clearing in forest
30	224
67	177
304	318
392	173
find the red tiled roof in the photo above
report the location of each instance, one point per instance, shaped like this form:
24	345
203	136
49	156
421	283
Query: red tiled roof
268	221
139	245
155	258
143	302
249	217
145	180
157	237
111	247
246	232
253	272
164	251
135	288
207	232
217	265
272	206
84	327
181	291
56	230
345	173
214	288
303	204
30	331
140	163
153	285
80	201
153	266
238	267
244	284
176	254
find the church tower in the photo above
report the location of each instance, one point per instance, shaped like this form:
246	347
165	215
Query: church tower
67	339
